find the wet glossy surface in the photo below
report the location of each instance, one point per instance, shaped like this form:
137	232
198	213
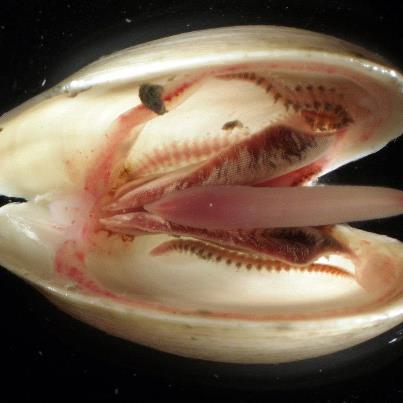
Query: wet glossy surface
46	353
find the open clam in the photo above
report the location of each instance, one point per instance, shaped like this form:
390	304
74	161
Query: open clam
111	159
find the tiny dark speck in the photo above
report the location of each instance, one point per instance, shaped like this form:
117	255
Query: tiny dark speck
232	124
150	96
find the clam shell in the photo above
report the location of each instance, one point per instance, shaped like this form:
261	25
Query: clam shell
177	305
107	87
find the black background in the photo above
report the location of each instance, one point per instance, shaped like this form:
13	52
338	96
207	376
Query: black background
45	354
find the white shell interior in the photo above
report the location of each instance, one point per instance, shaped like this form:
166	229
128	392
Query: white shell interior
187	283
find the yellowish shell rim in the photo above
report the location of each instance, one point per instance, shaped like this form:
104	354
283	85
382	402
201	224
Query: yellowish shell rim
349	52
76	84
198	319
